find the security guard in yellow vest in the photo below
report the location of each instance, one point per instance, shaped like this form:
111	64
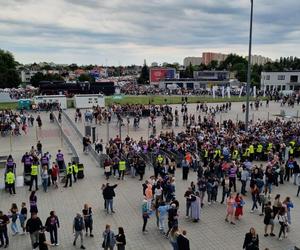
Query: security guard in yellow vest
270	146
292	149
235	154
217	154
259	150
160	160
69	175
75	171
10	182
205	157
251	152
122	168
34	175
246	154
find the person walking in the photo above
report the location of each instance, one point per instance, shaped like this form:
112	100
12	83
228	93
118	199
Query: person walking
268	219
33	203
145	215
52	225
283	221
122	168
23	216
88	219
60	160
108	239
251	241
195	206
14	216
45	177
121	239
4	221
54	174
10	180
185	169
78	227
174	232
34	176
33	226
69	172
239	203
163	212
230	209
75	171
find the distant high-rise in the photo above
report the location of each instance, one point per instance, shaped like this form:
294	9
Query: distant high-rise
208	57
259	60
192	60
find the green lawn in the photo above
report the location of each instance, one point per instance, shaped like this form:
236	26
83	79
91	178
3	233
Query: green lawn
145	99
8	105
152	99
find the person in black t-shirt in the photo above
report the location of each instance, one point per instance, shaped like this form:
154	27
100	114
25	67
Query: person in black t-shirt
4	220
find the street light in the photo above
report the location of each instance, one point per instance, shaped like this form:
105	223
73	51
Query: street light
249	69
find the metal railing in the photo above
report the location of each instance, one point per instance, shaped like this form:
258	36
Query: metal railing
99	158
66	138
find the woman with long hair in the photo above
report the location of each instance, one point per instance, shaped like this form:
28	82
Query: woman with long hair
251	241
230	202
121	239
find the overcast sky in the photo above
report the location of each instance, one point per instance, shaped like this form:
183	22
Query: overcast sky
127	32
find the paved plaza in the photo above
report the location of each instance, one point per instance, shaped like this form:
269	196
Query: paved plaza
211	233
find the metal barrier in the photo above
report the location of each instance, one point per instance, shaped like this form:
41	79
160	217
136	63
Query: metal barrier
64	137
100	158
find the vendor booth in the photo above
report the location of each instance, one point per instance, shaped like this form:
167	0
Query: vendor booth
89	101
55	101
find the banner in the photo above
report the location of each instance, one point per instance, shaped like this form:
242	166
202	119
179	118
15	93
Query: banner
254	91
241	91
228	92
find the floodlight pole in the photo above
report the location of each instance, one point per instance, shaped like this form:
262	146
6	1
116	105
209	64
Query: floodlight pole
249	70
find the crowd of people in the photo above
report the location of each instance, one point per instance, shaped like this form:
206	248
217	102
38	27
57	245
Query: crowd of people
261	159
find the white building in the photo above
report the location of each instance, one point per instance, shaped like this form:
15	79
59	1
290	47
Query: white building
259	60
288	80
26	75
192	60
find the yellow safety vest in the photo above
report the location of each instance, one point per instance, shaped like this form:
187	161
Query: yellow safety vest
10	178
34	170
205	153
259	148
70	169
291	151
122	165
160	159
217	153
251	149
235	154
270	145
75	168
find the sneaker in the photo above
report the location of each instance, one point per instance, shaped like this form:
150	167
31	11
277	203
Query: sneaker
266	235
91	235
226	220
280	238
252	211
271	234
113	212
232	223
82	247
57	244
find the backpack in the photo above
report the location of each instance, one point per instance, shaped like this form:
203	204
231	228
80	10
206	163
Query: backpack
78	224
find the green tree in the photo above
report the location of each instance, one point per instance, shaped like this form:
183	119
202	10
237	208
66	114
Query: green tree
39	76
144	77
85	78
9	76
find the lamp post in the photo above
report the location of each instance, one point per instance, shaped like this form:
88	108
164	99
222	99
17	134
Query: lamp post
249	69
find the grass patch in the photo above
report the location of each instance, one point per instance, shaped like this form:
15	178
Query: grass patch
157	100
8	105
